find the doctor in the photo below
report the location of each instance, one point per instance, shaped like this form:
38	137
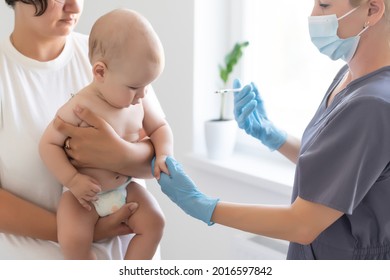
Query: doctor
340	203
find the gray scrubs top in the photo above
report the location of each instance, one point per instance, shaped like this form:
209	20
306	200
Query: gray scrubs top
344	164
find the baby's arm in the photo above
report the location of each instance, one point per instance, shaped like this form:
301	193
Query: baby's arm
51	150
162	140
160	133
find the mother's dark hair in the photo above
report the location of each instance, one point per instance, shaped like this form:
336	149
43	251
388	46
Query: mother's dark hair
40	5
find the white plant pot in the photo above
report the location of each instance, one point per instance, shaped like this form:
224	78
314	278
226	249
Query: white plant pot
220	138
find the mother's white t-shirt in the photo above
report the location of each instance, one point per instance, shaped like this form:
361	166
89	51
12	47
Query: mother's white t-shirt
30	94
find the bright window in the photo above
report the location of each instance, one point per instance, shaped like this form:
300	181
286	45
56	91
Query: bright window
291	74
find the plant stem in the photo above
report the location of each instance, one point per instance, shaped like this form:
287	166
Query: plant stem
222	111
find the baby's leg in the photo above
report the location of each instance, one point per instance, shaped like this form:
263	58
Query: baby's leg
147	223
75	228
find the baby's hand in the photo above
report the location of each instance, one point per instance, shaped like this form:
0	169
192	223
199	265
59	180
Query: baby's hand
85	189
160	166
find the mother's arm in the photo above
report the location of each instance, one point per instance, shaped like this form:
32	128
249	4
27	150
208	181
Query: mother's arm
99	146
21	217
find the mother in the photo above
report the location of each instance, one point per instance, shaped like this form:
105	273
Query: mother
41	63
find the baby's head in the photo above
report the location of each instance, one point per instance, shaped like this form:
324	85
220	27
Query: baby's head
125	52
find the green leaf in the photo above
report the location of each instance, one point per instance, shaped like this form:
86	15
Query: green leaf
231	59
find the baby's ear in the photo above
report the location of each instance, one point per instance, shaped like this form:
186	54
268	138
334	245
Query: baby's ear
99	70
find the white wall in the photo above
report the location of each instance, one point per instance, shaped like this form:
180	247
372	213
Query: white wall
195	35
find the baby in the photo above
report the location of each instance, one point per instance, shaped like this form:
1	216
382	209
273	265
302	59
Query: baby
126	56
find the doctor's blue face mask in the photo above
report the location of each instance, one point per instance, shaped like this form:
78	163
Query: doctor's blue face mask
323	34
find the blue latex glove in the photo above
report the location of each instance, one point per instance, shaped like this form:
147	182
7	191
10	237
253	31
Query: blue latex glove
183	191
250	115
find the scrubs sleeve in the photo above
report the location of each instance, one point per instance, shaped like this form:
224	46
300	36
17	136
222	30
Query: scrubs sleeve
346	157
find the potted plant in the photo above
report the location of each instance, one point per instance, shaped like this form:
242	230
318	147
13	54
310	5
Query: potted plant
220	133
231	59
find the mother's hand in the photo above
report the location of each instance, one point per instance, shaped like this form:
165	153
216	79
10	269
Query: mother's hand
99	146
116	223
90	146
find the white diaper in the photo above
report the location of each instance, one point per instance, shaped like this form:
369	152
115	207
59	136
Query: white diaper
111	201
